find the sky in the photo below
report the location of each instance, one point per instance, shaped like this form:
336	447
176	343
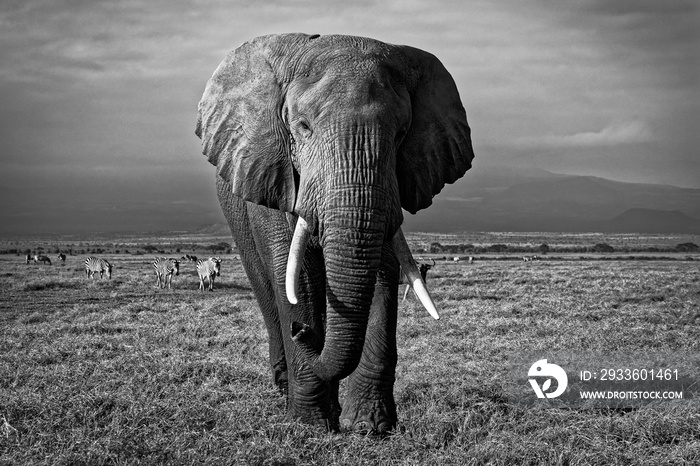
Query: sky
98	98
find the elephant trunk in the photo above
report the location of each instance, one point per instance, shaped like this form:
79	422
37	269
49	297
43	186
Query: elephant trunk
352	228
351	279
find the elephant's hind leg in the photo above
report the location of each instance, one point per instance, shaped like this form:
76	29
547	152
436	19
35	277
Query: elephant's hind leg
236	213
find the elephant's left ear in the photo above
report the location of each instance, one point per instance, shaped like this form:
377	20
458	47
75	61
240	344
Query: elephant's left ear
437	148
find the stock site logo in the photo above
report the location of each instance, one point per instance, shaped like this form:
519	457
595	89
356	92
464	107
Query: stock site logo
542	369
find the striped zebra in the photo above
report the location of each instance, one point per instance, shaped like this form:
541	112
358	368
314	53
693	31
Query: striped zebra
61	257
94	265
208	269
165	268
28	258
189	258
41	258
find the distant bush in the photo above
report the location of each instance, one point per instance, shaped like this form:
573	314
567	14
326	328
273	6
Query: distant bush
498	248
603	247
687	247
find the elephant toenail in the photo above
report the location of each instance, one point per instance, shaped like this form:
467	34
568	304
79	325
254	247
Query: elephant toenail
362	427
384	428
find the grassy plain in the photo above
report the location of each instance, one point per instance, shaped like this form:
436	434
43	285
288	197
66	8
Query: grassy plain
119	372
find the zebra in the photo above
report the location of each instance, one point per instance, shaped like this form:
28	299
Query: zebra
165	268
471	259
208	269
27	258
527	259
61	257
424	275
41	258
189	258
94	265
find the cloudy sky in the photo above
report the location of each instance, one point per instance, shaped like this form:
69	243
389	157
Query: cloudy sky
98	98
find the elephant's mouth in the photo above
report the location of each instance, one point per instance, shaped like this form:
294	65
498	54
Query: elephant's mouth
302	234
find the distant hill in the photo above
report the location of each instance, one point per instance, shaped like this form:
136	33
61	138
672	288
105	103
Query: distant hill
651	221
214	229
537	200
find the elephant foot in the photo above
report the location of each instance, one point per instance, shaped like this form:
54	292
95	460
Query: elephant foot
376	417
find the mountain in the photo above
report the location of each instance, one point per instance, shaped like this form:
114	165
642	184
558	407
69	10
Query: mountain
214	229
537	200
651	221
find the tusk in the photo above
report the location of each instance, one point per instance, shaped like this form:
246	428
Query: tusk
403	253
296	258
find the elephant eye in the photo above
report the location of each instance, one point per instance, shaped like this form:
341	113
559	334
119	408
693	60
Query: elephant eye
304	128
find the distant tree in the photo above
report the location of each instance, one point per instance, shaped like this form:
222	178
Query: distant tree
222	246
687	247
435	247
498	248
544	248
603	247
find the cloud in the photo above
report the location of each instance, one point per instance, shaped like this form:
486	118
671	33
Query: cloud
630	132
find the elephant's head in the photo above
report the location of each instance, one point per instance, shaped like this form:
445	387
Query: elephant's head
344	132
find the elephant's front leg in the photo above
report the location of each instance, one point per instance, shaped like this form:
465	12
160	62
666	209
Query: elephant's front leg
369	403
310	399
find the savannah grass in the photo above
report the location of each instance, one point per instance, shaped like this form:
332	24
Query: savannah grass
119	372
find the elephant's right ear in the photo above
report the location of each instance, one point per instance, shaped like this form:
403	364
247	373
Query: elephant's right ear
241	127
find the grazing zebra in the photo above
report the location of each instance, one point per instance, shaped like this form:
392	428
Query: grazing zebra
28	257
94	265
61	257
208	269
189	258
165	268
41	258
423	268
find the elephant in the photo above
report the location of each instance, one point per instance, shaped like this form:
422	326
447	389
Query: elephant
319	142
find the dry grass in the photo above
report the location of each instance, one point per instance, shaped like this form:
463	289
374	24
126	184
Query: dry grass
118	372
